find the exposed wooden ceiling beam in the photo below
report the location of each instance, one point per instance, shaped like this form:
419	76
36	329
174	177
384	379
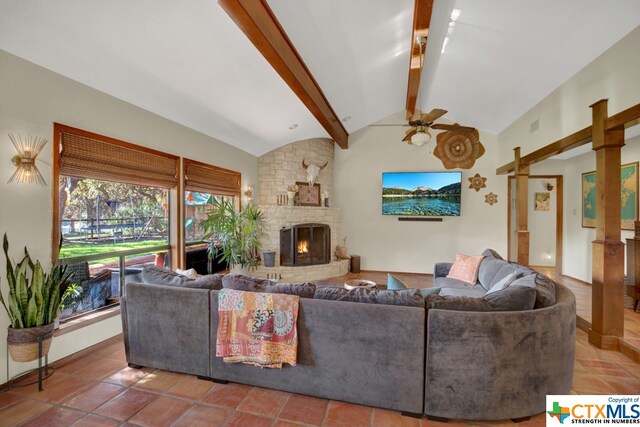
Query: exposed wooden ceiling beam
260	25
624	119
567	143
421	20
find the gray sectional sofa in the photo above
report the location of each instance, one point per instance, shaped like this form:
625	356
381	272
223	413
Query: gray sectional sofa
444	356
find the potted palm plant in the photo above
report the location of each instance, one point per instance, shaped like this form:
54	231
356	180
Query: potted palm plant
32	304
236	234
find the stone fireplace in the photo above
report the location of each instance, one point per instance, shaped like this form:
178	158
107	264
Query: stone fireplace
277	170
305	244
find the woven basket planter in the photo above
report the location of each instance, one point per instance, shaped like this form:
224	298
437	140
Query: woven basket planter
23	343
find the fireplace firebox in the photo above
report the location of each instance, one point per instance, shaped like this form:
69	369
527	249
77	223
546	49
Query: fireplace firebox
305	244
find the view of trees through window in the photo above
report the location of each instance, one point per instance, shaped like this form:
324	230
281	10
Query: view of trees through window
106	218
196	207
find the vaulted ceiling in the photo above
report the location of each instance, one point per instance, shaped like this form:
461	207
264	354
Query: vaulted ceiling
189	62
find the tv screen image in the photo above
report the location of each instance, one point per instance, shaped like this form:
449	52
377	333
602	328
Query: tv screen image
421	193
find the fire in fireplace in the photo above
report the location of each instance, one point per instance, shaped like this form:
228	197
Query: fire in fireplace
305	244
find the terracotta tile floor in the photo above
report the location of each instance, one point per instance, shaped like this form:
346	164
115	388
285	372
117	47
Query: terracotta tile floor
95	388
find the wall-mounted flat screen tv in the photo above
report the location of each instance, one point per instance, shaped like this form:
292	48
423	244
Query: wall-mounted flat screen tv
421	193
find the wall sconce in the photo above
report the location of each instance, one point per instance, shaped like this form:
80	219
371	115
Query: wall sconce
28	149
549	186
248	193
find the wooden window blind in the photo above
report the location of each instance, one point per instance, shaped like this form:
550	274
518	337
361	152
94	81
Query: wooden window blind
87	155
205	178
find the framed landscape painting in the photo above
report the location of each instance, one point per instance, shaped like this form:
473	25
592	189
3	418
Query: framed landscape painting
628	201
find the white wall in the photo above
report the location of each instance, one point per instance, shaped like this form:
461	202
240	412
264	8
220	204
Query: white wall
542	224
32	99
383	242
613	75
577	240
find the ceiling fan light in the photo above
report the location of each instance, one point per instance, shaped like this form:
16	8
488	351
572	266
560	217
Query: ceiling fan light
420	138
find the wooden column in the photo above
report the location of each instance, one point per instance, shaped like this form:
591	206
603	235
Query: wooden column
522	209
607	323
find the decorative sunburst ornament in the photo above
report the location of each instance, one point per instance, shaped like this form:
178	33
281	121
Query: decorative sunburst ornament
477	182
491	198
28	149
458	148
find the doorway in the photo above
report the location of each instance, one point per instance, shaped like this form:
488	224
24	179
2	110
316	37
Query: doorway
545	216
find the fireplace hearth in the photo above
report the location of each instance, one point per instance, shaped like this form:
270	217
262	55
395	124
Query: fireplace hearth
305	244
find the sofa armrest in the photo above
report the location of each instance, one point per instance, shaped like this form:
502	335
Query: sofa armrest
441	269
498	365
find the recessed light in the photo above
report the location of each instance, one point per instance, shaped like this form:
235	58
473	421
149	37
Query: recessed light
293	126
346	118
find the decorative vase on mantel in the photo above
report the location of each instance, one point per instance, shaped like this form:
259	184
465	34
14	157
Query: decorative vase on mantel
291	195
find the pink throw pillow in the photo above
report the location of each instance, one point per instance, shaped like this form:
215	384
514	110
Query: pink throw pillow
465	268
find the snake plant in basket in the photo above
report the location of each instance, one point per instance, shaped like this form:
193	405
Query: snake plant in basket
32	304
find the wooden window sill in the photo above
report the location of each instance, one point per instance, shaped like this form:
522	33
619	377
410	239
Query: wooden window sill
86	320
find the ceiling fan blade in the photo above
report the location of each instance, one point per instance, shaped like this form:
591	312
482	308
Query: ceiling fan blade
409	134
391	124
456	128
433	115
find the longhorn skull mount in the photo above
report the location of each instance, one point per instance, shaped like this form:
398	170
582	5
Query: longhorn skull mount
312	171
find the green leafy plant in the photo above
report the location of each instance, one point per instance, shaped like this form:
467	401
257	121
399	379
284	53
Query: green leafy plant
34	296
72	292
237	234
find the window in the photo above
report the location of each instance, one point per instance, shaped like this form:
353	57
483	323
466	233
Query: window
111	214
203	184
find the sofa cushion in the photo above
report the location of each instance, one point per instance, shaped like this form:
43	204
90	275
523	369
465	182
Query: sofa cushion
470	291
491	253
447	282
395	284
407	297
489	268
240	282
512	298
506	268
545	288
162	276
506	281
465	268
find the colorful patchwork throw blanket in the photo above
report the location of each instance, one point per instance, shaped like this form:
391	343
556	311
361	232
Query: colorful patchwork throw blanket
257	328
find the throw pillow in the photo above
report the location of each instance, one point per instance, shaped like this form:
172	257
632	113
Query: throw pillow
190	273
545	288
506	281
239	282
465	268
405	297
395	284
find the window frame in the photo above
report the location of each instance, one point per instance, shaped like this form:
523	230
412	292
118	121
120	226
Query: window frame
58	129
237	193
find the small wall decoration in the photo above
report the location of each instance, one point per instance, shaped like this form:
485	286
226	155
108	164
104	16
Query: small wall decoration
629	197
458	149
543	201
477	182
309	195
491	198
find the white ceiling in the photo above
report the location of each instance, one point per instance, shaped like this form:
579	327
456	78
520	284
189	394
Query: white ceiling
187	61
505	56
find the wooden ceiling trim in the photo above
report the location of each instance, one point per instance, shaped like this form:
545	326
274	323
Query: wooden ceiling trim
567	143
624	119
260	25
421	20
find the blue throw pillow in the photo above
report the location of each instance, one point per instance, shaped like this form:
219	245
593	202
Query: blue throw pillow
395	284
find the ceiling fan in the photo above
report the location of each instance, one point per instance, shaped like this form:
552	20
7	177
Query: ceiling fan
420	123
